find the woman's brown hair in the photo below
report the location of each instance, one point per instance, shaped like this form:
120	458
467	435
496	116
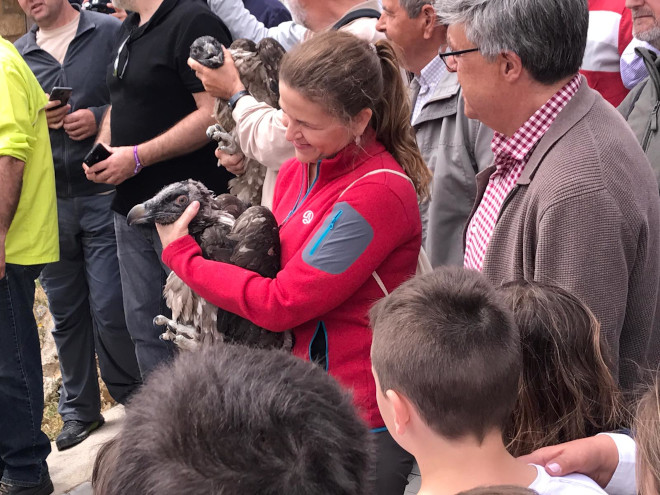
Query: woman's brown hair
647	437
566	389
346	74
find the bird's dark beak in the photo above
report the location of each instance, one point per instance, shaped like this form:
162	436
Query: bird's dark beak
137	215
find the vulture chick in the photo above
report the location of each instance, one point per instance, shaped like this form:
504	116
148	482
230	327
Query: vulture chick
226	231
258	66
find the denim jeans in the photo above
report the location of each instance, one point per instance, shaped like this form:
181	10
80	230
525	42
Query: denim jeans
84	294
143	276
23	446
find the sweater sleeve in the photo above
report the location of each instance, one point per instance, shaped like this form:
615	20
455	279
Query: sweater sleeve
243	24
584	246
316	279
261	133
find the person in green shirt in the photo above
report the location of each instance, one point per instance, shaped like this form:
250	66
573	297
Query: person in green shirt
28	240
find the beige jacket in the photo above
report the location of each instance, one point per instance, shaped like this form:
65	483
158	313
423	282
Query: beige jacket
259	127
585	215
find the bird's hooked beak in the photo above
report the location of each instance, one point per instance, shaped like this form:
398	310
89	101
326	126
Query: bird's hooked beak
137	215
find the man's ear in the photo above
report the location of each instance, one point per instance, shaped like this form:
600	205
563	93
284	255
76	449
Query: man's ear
429	21
401	411
511	67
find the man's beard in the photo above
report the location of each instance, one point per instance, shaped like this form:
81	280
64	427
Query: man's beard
650	35
297	12
124	4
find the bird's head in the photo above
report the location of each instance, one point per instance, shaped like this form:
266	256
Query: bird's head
170	202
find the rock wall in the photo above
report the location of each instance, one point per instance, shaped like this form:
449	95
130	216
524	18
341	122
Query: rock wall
13	23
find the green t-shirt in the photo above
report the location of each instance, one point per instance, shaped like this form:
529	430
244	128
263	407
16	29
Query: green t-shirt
32	238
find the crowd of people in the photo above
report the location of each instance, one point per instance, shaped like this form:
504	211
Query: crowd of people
481	132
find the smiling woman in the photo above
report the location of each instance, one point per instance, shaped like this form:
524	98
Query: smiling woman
349	222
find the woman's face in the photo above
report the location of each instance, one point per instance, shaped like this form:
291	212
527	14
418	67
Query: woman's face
314	132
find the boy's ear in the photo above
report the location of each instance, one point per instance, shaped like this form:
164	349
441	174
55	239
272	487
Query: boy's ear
400	411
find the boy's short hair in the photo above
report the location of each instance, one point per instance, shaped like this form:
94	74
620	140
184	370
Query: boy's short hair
234	420
447	342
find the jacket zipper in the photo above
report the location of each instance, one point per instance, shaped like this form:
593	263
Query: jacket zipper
652	126
325	232
299	201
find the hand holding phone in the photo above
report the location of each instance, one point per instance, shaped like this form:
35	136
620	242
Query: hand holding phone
97	154
61	93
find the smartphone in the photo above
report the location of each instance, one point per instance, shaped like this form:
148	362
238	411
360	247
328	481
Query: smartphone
61	93
97	154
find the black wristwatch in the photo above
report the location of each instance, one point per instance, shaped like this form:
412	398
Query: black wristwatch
235	97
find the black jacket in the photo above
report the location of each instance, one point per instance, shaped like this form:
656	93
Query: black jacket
84	70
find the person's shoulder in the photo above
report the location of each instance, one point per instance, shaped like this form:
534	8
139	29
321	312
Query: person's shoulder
100	19
9	54
22	42
572	484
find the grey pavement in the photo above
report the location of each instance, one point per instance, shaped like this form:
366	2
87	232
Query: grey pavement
71	469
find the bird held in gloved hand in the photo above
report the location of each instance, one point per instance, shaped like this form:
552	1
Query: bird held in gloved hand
258	65
229	231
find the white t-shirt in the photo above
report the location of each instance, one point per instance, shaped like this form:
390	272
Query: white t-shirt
573	484
56	41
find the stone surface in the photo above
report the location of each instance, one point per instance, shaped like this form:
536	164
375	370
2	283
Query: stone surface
71	469
13	22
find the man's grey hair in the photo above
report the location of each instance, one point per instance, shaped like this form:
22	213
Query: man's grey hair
549	36
414	7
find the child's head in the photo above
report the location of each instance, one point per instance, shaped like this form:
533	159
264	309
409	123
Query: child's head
359	85
447	343
647	437
235	420
566	390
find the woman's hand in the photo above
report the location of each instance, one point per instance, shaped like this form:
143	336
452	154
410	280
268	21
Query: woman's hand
170	233
223	82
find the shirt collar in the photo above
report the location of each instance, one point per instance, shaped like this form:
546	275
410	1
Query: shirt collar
431	73
525	139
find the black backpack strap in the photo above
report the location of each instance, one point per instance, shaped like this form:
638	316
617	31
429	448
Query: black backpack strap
356	14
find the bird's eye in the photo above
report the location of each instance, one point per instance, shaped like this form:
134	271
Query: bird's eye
181	200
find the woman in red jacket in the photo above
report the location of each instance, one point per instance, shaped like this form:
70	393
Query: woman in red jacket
349	220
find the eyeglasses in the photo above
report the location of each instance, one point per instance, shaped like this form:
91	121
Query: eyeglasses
449	58
123	48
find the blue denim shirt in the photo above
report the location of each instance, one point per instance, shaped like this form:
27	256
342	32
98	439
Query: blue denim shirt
83	69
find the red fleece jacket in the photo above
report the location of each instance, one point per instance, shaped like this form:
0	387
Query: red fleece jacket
330	248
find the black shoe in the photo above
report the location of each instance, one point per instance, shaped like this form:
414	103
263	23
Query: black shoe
43	488
74	431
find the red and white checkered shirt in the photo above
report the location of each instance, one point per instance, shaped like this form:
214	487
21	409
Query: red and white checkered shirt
511	156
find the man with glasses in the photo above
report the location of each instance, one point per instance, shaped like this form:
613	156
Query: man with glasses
68	47
155	131
454	147
570	199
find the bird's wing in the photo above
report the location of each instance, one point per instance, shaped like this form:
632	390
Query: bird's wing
257	242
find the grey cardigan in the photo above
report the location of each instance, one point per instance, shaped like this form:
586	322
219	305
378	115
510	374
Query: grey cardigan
585	215
455	148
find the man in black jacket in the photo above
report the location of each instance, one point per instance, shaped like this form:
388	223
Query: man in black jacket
71	48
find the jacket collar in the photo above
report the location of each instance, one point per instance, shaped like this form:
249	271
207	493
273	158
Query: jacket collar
444	100
349	158
86	23
571	114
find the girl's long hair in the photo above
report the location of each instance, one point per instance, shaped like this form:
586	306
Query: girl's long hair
566	389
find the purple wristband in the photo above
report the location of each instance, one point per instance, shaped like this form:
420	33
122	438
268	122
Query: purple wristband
138	164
